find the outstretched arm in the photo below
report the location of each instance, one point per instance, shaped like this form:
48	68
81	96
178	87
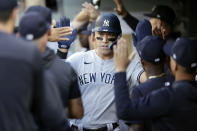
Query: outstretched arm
129	19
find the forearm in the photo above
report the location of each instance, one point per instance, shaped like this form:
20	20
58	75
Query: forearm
75	109
121	95
147	107
131	21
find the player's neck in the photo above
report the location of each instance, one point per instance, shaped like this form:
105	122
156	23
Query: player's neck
6	27
104	57
183	76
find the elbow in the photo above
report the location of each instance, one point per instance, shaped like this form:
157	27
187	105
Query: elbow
76	114
79	114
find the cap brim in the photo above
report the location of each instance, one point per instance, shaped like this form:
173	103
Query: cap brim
149	15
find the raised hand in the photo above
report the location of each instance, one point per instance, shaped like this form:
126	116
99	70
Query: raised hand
65	22
121	55
120	9
56	34
92	12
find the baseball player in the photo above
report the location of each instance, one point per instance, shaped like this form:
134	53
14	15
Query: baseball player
170	108
33	26
95	70
65	77
21	81
153	65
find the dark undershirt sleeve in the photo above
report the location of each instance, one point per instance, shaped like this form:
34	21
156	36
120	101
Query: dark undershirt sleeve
131	21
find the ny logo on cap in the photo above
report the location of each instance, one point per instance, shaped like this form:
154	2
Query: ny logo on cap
106	23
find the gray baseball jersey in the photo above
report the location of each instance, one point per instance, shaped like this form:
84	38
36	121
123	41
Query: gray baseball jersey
96	82
134	70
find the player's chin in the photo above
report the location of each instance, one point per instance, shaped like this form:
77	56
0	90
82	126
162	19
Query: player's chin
106	52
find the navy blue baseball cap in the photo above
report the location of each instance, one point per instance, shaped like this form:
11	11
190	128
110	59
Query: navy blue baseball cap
150	49
168	47
8	5
164	13
33	26
108	23
184	52
44	11
143	29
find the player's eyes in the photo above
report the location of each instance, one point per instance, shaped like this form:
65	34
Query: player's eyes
109	39
99	38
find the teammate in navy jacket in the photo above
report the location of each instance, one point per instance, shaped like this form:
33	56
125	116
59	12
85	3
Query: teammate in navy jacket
171	108
21	82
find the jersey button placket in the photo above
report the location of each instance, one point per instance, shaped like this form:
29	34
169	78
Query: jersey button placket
102	65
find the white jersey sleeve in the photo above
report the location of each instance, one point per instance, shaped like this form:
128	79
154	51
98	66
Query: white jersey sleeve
134	71
74	59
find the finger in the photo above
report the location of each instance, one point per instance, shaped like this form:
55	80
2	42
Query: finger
85	5
123	49
65	30
53	23
132	55
63	39
65	34
119	48
117	2
114	49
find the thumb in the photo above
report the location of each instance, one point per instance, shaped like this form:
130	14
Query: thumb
53	23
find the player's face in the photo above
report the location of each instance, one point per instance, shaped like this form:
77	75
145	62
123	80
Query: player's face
102	40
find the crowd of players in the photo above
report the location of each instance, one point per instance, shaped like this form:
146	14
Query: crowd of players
103	87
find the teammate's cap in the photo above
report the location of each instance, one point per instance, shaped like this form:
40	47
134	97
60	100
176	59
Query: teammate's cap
150	49
108	23
7	5
89	30
33	26
168	47
164	13
44	11
184	52
143	29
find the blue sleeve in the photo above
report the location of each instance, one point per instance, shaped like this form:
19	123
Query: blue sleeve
153	105
136	93
131	21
